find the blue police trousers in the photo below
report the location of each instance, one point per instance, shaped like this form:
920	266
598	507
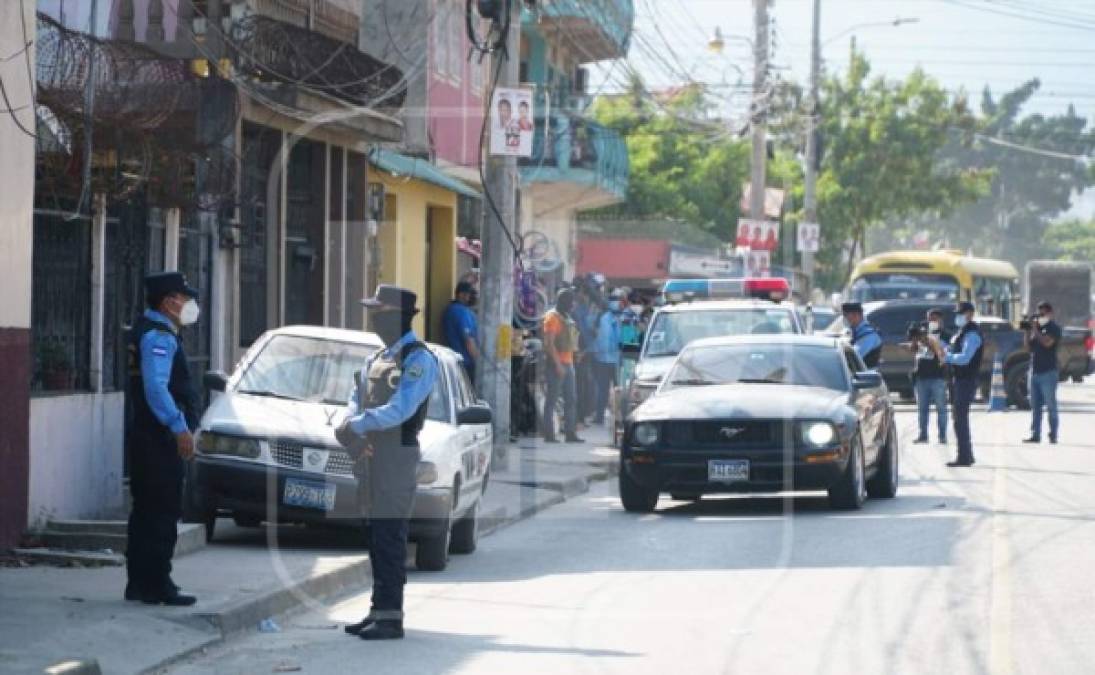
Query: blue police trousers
964	391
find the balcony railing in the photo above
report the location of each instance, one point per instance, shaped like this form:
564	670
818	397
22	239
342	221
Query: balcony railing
569	148
599	29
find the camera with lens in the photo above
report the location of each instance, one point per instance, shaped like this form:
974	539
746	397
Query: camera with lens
916	330
1029	322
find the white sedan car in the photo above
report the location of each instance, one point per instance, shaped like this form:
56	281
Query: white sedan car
267	450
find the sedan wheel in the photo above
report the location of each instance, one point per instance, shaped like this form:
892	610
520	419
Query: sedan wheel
432	553
850	492
465	533
636	498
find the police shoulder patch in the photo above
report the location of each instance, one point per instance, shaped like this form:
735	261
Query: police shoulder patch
414	372
159	351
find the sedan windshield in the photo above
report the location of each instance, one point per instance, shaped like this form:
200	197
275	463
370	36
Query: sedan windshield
673	331
305	369
806	365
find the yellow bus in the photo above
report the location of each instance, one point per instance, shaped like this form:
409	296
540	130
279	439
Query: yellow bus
946	276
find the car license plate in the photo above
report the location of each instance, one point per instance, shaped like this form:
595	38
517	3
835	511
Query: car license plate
309	494
728	470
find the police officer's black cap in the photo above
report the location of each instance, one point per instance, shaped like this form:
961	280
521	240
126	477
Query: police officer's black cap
964	307
392	298
851	307
162	284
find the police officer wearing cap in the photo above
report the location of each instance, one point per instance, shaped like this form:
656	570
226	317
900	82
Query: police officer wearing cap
386	411
865	339
964	358
165	412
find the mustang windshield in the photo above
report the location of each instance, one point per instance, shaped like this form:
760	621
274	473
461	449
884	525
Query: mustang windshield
672	331
806	365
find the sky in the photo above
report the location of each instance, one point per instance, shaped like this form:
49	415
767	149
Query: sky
964	44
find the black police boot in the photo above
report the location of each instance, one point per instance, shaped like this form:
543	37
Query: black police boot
384	629
1032	439
960	462
170	599
920	440
356	628
131	592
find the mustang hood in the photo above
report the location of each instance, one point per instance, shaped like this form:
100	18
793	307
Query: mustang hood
654	368
745	401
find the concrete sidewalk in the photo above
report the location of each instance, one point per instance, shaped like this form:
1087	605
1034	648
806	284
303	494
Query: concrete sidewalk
246	575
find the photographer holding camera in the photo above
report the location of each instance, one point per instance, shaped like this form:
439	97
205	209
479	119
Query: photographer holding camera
1041	336
929	376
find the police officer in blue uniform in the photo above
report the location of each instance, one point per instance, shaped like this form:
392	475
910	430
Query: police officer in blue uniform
165	412
387	409
865	338
964	358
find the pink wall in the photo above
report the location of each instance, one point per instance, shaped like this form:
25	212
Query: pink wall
455	102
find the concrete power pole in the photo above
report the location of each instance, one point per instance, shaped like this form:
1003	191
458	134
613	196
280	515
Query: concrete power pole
496	274
812	118
759	112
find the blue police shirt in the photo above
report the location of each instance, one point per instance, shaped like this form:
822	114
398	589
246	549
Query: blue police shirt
969	347
415	385
157	356
608	338
866	338
459	323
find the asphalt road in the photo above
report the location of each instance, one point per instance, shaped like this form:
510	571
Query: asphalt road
987	569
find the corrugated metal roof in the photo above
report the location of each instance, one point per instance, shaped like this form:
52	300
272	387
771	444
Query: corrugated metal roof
402	165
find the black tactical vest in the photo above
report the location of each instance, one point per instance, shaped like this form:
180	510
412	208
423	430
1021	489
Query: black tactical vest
180	386
383	378
972	369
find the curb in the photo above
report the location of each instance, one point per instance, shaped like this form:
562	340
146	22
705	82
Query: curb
244	616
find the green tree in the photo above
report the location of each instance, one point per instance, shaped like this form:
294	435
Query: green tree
1072	239
685	165
882	163
1034	179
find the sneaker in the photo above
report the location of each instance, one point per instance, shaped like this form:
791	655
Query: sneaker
574	438
1032	439
959	463
942	440
920	440
1053	440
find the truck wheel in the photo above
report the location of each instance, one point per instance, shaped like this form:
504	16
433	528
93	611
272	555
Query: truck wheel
465	533
1016	382
432	553
636	498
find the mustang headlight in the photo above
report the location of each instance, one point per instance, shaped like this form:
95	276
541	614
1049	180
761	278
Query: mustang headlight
639	391
818	434
212	443
645	433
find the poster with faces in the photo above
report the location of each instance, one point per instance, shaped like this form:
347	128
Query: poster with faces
757	235
511	123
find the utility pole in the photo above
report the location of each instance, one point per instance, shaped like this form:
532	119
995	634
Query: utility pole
759	112
812	118
496	273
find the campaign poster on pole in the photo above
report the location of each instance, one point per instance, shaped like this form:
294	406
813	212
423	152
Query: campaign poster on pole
809	237
511	123
757	235
759	263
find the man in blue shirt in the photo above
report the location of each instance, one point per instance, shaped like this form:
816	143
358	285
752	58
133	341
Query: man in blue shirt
606	353
386	411
1041	340
461	327
865	339
165	415
964	358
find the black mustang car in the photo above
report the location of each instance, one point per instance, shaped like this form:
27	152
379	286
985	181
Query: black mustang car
768	413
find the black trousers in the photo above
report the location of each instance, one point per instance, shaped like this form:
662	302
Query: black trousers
964	391
392	485
155	483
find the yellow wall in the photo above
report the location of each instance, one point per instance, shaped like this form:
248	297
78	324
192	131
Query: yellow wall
402	240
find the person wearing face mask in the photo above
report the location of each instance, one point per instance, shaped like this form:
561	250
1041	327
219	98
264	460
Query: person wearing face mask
386	412
560	341
1042	340
165	412
964	358
930	378
606	355
461	327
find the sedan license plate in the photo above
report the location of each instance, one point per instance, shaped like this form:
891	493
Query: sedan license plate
728	470
311	495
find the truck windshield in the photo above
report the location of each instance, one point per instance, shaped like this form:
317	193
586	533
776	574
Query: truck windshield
892	286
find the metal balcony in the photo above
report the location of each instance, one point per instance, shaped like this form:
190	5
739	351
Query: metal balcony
597	29
584	163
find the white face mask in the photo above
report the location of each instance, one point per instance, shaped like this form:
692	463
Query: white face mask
189	312
933	326
1043	320
960	320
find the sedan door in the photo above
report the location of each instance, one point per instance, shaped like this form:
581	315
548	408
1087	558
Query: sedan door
871	406
475	439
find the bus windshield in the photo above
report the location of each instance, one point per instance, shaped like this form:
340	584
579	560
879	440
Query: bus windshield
904	286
